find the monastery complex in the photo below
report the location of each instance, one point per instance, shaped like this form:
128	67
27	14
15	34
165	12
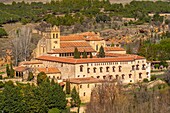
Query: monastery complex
54	56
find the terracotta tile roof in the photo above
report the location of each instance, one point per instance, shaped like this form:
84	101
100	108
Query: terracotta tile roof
113	49
49	70
87	60
21	69
74	44
30	62
71	38
71	50
136	57
86	80
115	54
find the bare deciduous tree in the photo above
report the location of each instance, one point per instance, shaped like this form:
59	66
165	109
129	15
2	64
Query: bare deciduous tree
111	98
21	44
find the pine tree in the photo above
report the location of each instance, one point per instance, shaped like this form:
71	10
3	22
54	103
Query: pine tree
67	87
84	54
76	53
101	52
11	71
7	70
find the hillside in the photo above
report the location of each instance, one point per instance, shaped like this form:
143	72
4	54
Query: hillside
10	1
112	1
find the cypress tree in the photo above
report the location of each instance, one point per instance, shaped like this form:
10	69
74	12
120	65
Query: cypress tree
30	76
76	53
101	52
52	82
67	87
7	70
84	54
11	71
75	101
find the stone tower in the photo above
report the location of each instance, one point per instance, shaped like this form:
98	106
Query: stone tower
53	38
49	41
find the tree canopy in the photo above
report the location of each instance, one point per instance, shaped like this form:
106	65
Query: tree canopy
25	98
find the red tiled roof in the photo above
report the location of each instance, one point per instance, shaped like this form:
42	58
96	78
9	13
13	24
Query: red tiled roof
49	70
113	49
71	38
21	69
86	80
136	57
87	60
74	44
71	50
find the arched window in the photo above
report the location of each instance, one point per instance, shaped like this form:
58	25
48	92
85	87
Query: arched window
104	77
80	86
81	68
140	75
56	35
88	70
130	75
94	69
110	77
137	67
101	69
117	76
88	85
113	68
84	94
133	67
123	76
53	35
120	68
107	69
143	67
98	76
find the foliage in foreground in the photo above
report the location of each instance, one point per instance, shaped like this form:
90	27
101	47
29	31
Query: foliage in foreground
32	99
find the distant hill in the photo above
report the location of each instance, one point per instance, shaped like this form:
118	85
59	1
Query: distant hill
10	1
112	1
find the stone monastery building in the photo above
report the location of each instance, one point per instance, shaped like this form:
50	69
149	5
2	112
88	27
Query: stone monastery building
54	56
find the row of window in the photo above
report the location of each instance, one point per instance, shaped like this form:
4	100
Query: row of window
117	76
111	63
113	68
71	54
101	69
